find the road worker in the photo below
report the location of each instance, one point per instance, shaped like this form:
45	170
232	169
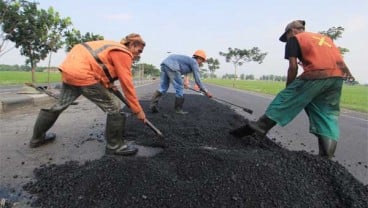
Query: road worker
90	69
317	90
172	69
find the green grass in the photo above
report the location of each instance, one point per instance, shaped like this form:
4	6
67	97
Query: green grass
355	98
20	77
352	97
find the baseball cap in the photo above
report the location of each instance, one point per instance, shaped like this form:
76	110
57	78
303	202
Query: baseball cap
291	25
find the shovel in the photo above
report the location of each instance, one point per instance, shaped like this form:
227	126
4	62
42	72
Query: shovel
250	111
242	131
148	123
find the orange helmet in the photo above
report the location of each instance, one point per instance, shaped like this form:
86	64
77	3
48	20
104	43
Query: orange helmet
200	53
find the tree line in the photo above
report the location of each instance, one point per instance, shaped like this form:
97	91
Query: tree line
16	67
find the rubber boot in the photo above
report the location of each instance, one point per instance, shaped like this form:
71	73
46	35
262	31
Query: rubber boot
114	134
327	146
44	122
154	101
179	101
242	131
262	125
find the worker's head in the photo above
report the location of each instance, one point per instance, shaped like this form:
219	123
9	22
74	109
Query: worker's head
200	56
134	43
293	28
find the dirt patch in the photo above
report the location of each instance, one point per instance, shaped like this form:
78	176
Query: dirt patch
203	166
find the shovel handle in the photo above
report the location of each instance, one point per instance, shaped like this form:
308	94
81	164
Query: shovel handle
148	123
151	126
250	111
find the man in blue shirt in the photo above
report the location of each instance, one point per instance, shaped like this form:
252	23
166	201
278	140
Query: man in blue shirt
172	69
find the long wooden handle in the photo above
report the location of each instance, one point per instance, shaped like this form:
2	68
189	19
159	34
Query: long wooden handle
156	130
250	111
148	123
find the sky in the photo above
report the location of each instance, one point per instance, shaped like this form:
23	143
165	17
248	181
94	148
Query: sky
182	27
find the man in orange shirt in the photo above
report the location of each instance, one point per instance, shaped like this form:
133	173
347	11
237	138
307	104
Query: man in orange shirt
90	69
317	90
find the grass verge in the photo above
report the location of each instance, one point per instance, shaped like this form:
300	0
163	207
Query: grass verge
352	97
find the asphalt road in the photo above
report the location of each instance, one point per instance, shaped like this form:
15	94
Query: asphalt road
79	123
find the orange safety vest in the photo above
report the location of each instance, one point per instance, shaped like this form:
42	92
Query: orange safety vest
80	68
320	55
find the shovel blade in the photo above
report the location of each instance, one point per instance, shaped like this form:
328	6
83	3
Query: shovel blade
242	131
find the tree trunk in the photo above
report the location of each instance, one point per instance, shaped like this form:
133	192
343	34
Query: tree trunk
48	72
234	75
33	74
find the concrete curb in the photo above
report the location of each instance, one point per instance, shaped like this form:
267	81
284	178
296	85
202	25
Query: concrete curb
9	102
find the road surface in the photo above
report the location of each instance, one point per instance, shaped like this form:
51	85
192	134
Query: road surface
80	126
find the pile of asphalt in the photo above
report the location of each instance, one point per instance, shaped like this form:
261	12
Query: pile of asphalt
202	166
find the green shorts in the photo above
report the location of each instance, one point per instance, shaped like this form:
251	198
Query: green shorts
319	98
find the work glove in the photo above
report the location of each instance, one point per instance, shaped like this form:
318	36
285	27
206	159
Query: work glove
208	94
141	116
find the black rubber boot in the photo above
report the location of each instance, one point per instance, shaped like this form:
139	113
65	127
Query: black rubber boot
154	101
44	122
327	146
114	134
242	131
262	125
179	101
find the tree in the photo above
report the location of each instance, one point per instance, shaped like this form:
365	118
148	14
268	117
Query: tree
35	32
249	77
25	34
239	56
203	73
213	64
55	25
8	12
335	33
228	76
73	37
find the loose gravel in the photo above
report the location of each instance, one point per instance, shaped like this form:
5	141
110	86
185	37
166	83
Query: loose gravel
202	165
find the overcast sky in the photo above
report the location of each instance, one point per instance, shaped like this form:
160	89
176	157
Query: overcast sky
185	26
